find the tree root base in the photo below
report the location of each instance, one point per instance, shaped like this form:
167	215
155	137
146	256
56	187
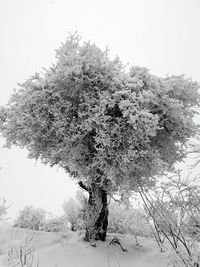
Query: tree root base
116	241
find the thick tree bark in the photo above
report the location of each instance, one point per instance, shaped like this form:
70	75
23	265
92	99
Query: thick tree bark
96	220
73	228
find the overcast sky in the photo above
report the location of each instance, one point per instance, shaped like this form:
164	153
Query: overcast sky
162	35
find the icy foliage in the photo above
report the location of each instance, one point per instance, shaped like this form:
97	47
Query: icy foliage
89	115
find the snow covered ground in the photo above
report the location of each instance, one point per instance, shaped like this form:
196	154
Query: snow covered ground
68	250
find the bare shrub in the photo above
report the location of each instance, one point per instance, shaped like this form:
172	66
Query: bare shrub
21	253
173	209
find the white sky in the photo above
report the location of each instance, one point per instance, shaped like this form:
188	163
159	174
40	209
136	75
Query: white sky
163	35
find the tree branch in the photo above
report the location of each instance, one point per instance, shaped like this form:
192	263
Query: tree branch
83	186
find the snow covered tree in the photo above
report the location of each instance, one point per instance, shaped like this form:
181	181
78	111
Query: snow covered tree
3	208
31	218
125	219
110	128
55	223
72	212
82	200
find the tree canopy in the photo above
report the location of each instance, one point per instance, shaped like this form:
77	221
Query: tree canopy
99	121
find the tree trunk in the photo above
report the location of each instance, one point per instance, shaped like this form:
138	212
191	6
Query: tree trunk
96	214
73	228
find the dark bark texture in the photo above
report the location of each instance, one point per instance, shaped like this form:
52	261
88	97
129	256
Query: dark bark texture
96	213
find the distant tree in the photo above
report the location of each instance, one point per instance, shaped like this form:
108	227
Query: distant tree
55	223
127	220
72	212
117	218
31	218
112	130
3	208
82	200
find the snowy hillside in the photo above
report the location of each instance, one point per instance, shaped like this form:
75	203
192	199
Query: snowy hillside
68	250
